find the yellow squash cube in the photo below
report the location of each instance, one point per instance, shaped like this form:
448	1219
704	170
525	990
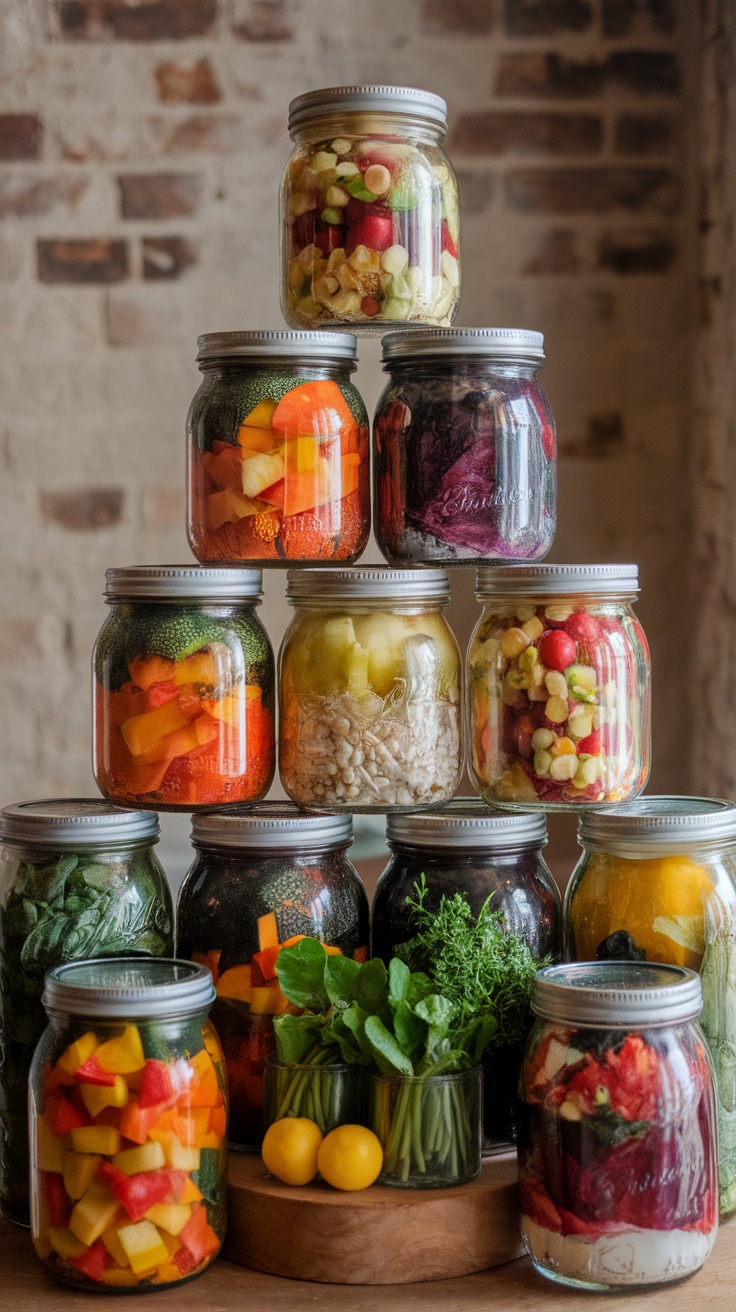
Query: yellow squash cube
171	1217
97	1210
146	1158
49	1147
143	1245
65	1243
111	1240
78	1052
124	1055
181	1158
80	1170
96	1097
103	1139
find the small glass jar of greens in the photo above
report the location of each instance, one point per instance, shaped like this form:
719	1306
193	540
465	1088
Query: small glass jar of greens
429	1127
327	1092
78	878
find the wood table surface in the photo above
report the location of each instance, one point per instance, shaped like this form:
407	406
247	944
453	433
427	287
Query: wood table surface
25	1287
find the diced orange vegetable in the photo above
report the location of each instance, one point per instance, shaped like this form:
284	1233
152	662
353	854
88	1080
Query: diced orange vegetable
147	670
191	1193
232	709
136	1122
316	409
205	1091
262	415
268	934
268	1001
256	439
198	1236
298	493
209	959
228	506
197	733
201	667
218	1121
225	466
235	983
145	731
141	778
266	961
289	942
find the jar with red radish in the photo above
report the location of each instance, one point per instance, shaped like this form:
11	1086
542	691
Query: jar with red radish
369	211
559	687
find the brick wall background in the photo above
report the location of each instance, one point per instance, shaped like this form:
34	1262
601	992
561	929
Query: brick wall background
141	145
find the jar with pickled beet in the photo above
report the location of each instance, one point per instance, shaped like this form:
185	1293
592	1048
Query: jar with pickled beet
278	464
369	211
369	689
183	689
618	1183
261	880
78	878
128	1125
464	448
558	687
657	882
469	849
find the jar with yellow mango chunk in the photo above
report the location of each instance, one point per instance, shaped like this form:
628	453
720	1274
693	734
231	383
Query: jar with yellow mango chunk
656	882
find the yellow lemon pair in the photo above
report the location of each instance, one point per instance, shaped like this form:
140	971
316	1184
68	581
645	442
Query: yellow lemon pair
348	1158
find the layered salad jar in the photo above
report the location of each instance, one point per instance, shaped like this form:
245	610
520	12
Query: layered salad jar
559	687
128	1120
467	848
617	1138
369	687
464	448
657	882
78	878
369	211
183	689
278	466
262	880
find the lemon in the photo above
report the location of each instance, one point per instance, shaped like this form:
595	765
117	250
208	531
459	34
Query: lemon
290	1148
350	1157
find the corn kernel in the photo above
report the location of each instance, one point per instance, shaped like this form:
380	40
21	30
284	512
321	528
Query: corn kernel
542	739
563	768
558	614
514	642
542	763
533	628
556	710
563	747
556	684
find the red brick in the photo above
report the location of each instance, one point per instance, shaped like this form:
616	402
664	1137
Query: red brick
556	253
135	20
592	191
645	72
160	195
637	251
98	260
263	20
182	83
24	196
219	133
85	509
476	190
497	132
458	17
546	17
644	134
629	17
167	257
21	136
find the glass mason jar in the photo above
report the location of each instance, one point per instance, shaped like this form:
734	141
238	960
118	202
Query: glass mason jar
617	1138
128	1120
429	1127
328	1094
469	849
261	880
558	687
369	211
464	448
278	463
183	689
369	688
78	878
657	882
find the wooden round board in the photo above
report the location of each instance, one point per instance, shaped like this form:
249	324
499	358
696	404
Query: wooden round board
378	1236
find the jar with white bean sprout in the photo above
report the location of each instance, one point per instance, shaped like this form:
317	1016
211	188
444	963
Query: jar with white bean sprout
370	680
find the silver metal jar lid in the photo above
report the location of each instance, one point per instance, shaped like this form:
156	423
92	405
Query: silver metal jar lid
269	345
465	823
367	100
624	994
277	825
556	580
182	583
671	824
128	988
518	344
368	583
74	822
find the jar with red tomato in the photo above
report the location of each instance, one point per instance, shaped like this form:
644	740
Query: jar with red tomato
559	687
278	452
261	880
183	689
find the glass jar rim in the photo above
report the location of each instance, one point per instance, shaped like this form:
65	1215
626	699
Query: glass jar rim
468	824
368	583
182	583
556	581
271	825
268	346
71	823
366	99
658	822
128	987
617	994
512	345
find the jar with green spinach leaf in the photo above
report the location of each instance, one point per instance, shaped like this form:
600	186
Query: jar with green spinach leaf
78	878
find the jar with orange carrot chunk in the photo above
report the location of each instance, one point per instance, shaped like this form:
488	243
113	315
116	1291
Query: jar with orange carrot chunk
128	1125
184	689
278	464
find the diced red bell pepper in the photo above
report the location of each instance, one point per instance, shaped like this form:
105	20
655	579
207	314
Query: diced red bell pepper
139	1192
161	1084
91	1263
58	1203
90	1072
198	1237
63	1116
266	961
159	693
185	1261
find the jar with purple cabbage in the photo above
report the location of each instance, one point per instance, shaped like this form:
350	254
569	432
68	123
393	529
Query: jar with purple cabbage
464	448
